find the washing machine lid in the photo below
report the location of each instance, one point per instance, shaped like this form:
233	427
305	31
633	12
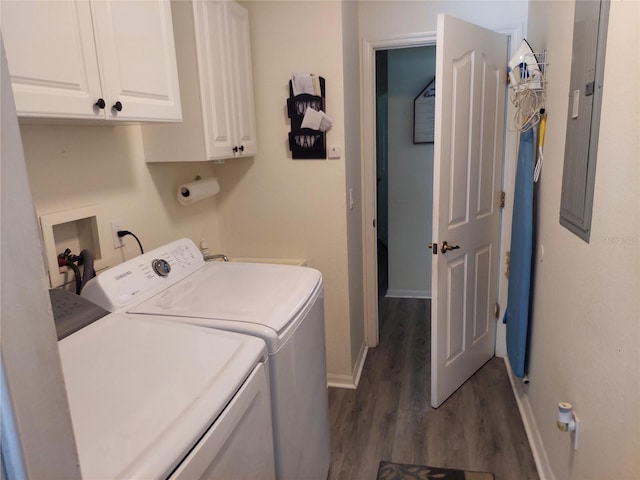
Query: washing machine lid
267	295
142	391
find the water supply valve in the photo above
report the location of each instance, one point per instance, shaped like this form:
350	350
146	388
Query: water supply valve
568	421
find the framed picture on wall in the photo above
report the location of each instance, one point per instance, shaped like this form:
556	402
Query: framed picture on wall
424	108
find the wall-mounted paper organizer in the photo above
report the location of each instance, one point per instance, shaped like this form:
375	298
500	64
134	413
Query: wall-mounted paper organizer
306	143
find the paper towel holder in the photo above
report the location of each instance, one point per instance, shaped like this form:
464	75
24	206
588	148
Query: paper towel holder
185	192
197	190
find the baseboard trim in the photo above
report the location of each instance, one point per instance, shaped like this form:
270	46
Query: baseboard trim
341	381
350	381
357	368
408	293
531	428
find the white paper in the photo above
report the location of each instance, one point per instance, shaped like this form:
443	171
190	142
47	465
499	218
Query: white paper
316	120
302	83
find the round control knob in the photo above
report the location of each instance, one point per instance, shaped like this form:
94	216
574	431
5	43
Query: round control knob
161	267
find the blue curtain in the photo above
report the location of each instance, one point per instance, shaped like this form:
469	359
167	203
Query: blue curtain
520	271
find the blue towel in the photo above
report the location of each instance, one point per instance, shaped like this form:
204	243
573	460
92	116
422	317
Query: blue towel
517	314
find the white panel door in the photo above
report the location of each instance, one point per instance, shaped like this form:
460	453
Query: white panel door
213	52
468	151
226	80
52	58
242	79
137	59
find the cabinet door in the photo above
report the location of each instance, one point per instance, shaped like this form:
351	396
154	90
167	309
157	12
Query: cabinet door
213	52
137	59
52	58
241	78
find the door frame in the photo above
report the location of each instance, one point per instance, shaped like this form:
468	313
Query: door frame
369	184
368	49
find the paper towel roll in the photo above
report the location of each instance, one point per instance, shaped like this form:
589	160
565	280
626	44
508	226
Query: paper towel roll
198	190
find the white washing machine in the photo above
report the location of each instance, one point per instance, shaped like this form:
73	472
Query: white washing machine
161	400
282	304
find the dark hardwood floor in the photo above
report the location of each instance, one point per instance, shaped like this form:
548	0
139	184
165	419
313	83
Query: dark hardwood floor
389	416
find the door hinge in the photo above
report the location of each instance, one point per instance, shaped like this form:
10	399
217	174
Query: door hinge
497	310
507	262
502	199
507	76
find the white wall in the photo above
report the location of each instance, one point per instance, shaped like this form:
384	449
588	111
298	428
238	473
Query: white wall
386	21
351	67
74	166
270	205
585	327
37	434
410	175
381	19
278	207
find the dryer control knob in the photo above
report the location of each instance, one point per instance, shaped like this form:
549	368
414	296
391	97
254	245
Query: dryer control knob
161	267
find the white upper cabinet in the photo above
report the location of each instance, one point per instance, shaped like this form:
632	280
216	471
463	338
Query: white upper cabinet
241	78
100	59
214	63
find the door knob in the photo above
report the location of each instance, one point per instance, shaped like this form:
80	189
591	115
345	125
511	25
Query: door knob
100	103
117	106
446	247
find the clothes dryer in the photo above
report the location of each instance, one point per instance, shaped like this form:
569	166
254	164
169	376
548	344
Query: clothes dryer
281	304
161	400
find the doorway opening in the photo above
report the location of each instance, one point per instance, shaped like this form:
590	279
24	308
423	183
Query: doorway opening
404	174
370	183
369	175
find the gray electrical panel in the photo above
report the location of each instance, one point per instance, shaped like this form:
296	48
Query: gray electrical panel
583	119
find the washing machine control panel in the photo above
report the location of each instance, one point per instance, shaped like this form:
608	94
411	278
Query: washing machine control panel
144	275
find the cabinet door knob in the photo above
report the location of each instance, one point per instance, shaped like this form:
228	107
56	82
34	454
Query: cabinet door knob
117	106
235	149
100	103
242	148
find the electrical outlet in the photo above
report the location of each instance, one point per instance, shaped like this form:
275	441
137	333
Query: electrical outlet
118	242
334	153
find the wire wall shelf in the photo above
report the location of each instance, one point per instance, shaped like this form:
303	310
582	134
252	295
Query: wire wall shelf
527	89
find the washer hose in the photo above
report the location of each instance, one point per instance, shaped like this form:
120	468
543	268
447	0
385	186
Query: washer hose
63	262
86	258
